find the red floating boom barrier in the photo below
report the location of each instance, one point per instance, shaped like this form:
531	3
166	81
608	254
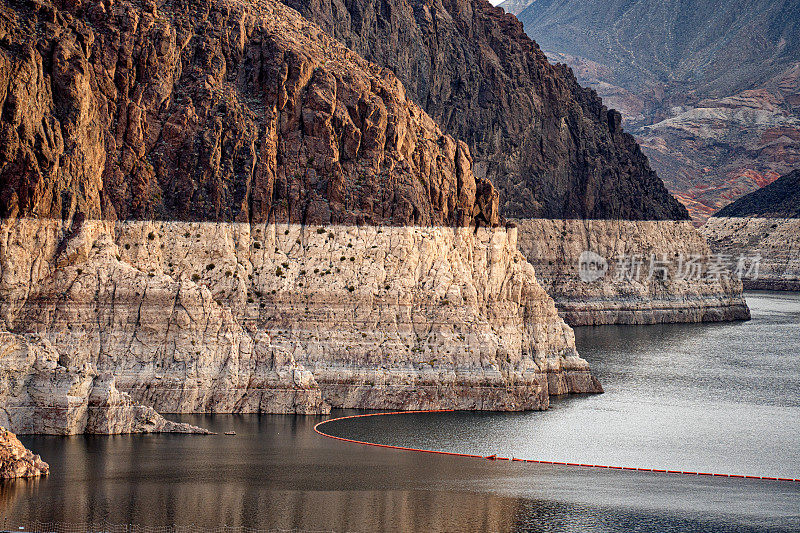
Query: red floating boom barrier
494	457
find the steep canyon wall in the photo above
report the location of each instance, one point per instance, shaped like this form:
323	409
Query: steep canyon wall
648	277
213	206
563	166
214	317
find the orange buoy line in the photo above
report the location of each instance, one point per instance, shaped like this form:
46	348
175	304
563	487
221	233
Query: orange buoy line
495	457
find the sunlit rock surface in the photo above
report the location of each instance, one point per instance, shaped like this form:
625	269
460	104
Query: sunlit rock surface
213	317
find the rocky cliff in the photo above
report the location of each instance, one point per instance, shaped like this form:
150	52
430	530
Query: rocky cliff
213	206
234	317
206	111
17	461
775	242
551	147
763	224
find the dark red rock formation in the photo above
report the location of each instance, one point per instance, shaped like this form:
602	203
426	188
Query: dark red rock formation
548	144
214	110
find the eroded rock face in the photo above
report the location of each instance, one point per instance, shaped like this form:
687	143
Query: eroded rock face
626	293
763	224
550	146
213	317
43	392
16	461
214	110
245	115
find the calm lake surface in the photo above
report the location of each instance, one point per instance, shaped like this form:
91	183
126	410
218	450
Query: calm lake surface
708	397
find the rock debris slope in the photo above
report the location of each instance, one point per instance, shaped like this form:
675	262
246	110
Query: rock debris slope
566	172
212	206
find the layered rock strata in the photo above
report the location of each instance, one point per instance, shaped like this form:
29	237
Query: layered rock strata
551	147
656	271
774	241
764	224
713	98
16	461
61	392
213	317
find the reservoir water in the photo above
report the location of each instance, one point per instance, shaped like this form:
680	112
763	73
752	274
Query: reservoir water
705	397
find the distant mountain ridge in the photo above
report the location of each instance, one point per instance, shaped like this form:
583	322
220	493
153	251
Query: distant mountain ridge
718	47
779	199
710	89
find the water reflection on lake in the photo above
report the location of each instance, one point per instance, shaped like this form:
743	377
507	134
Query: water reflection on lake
719	397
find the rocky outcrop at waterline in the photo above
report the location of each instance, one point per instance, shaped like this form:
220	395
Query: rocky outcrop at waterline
558	157
214	207
16	461
43	392
281	318
764	224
